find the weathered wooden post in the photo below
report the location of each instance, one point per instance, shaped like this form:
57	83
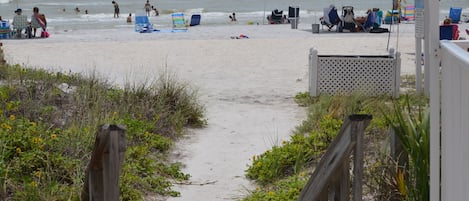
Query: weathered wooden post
330	179
102	174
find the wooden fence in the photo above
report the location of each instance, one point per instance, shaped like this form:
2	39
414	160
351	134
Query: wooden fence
330	179
102	174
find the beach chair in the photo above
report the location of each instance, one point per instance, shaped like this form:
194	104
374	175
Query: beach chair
409	13
330	17
5	30
195	20
179	23
293	12
348	20
449	32
391	17
142	24
455	14
276	17
379	16
20	23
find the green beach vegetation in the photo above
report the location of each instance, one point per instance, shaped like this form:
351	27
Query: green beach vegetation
49	121
283	171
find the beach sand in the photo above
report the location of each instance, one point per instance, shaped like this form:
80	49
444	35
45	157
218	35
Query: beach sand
247	85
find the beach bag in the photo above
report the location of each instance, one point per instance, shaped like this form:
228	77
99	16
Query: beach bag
44	34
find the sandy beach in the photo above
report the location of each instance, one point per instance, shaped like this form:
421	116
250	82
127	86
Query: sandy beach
247	85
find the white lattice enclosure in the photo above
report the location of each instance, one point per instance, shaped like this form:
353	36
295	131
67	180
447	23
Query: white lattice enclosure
370	75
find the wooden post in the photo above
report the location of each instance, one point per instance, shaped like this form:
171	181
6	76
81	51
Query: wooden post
358	131
344	183
102	175
397	150
332	171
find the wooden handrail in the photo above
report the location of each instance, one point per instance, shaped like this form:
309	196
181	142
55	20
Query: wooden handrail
331	176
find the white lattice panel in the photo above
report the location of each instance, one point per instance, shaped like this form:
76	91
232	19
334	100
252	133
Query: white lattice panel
372	75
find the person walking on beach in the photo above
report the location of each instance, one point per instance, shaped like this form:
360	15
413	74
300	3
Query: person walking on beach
38	21
148	8
116	9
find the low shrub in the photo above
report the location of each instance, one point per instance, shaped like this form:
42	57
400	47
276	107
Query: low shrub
49	121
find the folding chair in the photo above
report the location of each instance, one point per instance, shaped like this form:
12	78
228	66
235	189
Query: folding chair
455	14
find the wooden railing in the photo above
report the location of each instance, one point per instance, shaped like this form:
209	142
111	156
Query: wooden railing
330	179
102	174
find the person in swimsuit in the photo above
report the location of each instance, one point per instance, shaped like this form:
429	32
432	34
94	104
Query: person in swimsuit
148	7
116	9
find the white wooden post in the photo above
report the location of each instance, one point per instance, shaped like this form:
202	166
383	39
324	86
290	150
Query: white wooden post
432	87
313	72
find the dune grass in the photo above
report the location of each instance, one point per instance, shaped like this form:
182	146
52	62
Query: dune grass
49	121
282	171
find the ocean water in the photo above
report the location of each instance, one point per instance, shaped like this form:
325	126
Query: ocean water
61	15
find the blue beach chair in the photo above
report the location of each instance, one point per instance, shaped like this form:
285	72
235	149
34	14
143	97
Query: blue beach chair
195	20
455	14
142	24
448	32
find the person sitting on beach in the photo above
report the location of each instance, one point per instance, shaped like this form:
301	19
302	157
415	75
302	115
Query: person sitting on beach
129	18
447	22
116	9
20	22
330	18
147	7
285	20
276	17
38	21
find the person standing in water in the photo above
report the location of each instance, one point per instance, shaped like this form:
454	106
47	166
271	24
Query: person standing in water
116	9
148	8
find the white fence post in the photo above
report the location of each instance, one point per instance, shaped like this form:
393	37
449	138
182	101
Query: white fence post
397	75
313	72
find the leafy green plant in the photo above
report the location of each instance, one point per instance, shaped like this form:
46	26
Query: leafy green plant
384	179
287	189
292	156
412	126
